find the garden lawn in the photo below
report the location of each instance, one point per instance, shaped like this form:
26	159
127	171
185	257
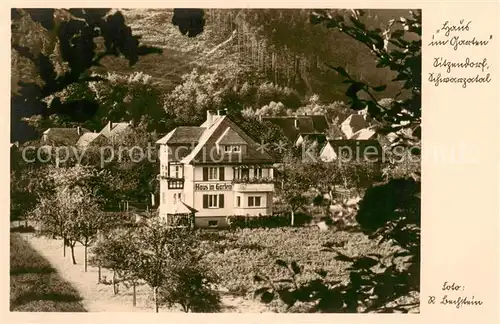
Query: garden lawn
35	286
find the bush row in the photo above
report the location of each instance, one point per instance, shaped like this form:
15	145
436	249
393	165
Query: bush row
268	221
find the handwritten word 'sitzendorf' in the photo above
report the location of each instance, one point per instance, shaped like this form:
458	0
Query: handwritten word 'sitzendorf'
467	63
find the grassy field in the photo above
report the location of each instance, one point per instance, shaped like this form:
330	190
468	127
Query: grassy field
239	255
35	286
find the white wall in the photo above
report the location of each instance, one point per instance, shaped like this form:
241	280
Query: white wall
328	153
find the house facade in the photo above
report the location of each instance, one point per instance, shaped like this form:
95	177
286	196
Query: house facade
214	170
352	150
295	126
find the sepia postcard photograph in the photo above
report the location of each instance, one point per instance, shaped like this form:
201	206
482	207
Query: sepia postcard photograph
248	160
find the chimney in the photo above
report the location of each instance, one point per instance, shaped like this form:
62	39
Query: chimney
79	130
110	126
296	122
209	117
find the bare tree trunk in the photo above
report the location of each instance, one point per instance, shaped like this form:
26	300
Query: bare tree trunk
64	246
155	293
85	257
293	218
115	286
99	274
72	245
134	300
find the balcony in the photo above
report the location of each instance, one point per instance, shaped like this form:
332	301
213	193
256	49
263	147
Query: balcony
173	182
169	179
253	185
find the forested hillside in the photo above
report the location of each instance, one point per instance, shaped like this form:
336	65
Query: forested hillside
244	58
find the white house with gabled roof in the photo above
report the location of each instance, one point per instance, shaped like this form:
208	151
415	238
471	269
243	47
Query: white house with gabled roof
213	171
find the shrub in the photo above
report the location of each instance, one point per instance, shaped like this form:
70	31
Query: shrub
268	221
190	285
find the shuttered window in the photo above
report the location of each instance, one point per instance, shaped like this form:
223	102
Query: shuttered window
213	201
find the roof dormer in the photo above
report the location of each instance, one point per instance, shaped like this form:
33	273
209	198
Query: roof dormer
231	142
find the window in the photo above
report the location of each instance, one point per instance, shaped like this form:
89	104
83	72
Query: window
238	201
257	172
232	148
175	171
213	173
254	201
175	184
179	195
213	223
213	201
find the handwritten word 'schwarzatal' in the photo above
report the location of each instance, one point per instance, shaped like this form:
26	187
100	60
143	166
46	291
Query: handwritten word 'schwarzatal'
437	79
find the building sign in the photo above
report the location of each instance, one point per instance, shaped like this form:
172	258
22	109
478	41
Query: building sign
213	187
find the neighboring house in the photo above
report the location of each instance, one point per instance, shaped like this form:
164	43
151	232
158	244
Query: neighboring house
117	131
317	138
214	171
310	145
88	140
353	124
293	126
352	150
364	134
62	136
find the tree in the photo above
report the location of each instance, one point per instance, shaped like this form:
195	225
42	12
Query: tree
190	285
131	98
60	48
397	49
295	183
29	182
116	251
387	212
73	210
158	249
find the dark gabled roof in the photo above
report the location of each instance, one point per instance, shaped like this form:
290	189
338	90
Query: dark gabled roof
364	134
63	136
206	152
317	137
230	137
353	124
89	138
183	135
320	123
116	129
305	124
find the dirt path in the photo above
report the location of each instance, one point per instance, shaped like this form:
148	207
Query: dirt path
100	297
